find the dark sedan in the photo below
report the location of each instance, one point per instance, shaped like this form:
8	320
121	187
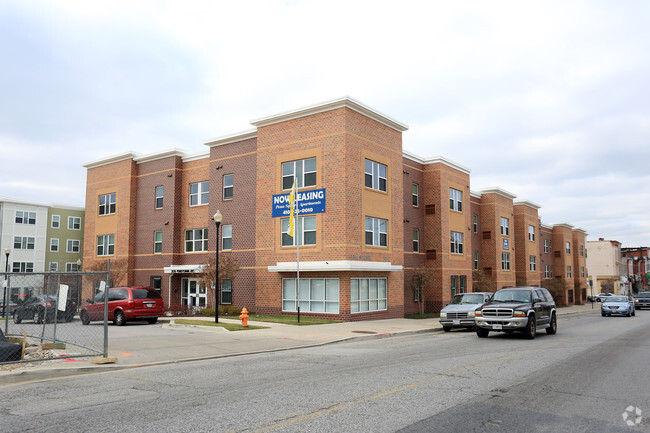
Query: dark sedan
42	308
642	300
11	306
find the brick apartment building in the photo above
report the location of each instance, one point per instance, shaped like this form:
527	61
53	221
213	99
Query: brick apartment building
374	217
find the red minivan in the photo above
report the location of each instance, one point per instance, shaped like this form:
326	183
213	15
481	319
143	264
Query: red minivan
125	303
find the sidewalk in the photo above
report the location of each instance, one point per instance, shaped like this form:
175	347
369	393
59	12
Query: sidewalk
172	343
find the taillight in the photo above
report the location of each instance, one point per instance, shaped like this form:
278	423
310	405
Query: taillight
47	305
131	303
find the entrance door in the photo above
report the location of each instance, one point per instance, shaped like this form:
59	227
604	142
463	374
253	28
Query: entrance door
193	294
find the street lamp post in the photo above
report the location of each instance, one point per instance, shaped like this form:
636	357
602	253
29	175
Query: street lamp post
217	220
4	296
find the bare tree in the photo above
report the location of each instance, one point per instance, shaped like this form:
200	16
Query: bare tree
119	270
422	279
482	282
228	267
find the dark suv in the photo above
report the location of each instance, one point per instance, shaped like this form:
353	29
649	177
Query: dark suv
125	303
521	309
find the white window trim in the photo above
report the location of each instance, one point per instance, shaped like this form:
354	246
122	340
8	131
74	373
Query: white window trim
359	300
58	222
73	219
224	237
202	241
456	244
199	194
376	232
299	231
67	245
455	199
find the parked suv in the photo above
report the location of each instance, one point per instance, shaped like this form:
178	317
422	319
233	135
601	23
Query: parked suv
521	309
124	303
459	313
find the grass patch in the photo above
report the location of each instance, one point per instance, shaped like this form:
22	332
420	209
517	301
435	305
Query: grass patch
422	316
228	326
290	320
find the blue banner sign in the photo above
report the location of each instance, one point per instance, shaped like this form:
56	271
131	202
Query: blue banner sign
307	202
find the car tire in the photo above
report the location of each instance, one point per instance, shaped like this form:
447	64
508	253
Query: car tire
482	332
634	312
69	317
17	318
119	319
36	317
531	328
552	328
85	320
446	328
152	320
603	314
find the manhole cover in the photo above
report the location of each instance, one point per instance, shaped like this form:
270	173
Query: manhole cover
364	332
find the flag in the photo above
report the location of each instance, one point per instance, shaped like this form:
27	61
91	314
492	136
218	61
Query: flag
292	200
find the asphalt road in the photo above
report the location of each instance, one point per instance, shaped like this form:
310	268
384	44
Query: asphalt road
580	380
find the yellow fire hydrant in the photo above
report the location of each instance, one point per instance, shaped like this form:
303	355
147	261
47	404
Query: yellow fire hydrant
244	317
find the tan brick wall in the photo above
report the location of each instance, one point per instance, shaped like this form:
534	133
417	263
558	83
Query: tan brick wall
525	217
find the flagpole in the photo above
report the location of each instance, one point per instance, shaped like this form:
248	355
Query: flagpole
297	252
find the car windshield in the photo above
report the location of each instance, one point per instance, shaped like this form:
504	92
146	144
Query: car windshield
617	299
512	296
644	295
467	298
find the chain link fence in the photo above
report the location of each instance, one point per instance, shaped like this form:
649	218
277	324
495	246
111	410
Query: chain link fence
39	316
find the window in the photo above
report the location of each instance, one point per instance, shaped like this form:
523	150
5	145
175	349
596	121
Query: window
547	248
568	272
303	171
304	231
568	247
317	295
416	241
375	175
199	193
160	192
582	250
72	246
582	271
54	266
107	204
505	226
456	243
368	294
156	283
226	291
476	260
105	245
416	194
56	221
533	263
71	267
376	232
475	223
455	200
54	245
157	242
74	223
458	284
548	271
531	233
23	243
226	237
196	240
505	261
22	267
23	217
228	182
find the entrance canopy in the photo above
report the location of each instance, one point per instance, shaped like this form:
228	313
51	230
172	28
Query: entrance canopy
336	265
183	269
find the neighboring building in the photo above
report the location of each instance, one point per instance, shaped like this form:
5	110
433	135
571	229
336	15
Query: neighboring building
605	266
638	267
374	215
41	237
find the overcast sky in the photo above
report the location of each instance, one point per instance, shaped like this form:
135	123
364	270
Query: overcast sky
548	100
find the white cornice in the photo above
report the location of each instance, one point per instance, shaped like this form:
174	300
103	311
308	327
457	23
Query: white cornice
41	204
334	104
566	225
112	159
161	155
580	230
527	203
196	157
336	265
435	160
499	191
232	138
474	194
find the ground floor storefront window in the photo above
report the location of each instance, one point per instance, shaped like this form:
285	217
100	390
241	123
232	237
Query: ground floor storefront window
317	295
368	294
